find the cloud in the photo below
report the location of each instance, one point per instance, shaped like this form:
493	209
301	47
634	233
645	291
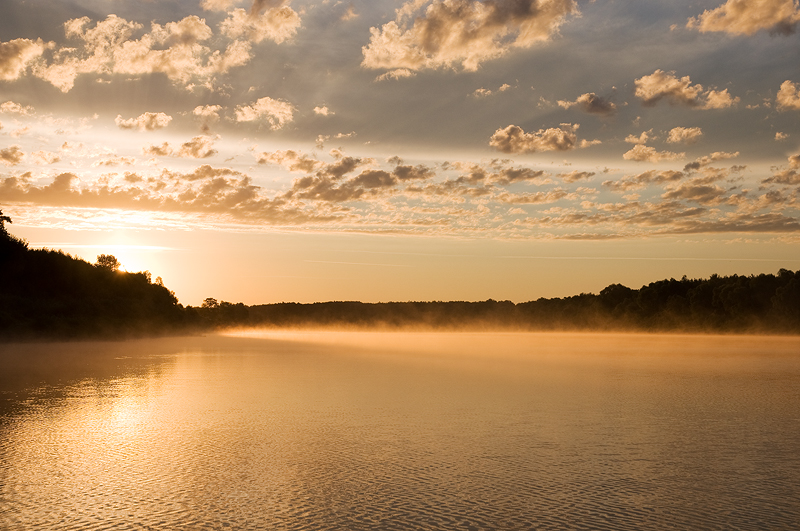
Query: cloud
218	5
641	180
207	191
323	111
591	103
291	160
207	115
641	139
350	14
277	112
642	153
16	133
430	34
708	159
781	136
176	49
149	121
746	17
786	176
405	173
719	99
398	73
12	155
684	135
696	192
484	93
513	139
17	54
536	198
164	150
750	223
278	23
576	175
199	147
665	85
9	107
788	97
113	160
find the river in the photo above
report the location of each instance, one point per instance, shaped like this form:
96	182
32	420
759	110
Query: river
394	430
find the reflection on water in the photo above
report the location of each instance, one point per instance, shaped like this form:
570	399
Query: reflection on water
402	431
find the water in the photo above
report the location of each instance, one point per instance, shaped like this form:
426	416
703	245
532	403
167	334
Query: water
381	431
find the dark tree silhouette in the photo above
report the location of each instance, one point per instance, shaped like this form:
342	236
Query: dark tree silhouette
3	221
108	261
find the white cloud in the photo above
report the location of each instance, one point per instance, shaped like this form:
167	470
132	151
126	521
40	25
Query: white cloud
323	111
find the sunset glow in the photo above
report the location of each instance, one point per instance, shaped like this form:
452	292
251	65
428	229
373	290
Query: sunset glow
288	150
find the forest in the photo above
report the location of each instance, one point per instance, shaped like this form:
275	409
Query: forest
48	294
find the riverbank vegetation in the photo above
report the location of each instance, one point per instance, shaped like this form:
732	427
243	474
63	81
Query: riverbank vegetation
48	294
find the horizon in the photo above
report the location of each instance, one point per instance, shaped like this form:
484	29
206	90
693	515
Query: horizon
260	152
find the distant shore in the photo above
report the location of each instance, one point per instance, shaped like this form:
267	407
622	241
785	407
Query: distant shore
50	295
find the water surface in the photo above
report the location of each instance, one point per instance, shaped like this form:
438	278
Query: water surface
402	431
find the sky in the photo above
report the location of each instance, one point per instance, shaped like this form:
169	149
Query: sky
263	151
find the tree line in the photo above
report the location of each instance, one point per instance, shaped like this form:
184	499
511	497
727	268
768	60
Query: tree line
50	294
734	304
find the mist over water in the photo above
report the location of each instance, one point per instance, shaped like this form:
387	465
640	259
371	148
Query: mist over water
344	430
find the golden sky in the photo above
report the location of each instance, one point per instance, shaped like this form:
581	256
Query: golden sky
290	150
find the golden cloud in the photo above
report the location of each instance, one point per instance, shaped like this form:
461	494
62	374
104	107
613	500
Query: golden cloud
176	49
10	107
277	24
684	135
443	33
513	139
277	112
17	54
665	85
12	155
149	121
641	139
591	103
788	97
642	153
746	17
